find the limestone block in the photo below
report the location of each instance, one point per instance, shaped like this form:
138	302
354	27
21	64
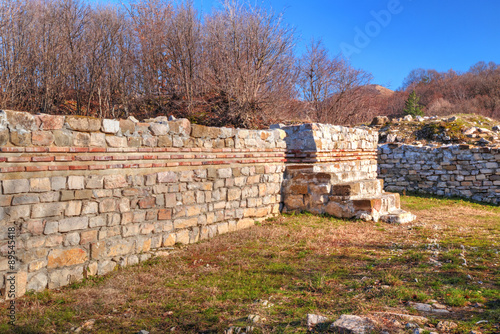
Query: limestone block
134	141
47	210
76	182
105	266
97	221
127	127
167	177
17	212
16	186
49	122
97	139
130	230
81	139
114	141
84	124
4	137
165	141
42	138
168	240
180	127
110	126
115	181
66	257
72	224
159	129
185	222
73	208
71	239
182	237
58	182
149	141
63	137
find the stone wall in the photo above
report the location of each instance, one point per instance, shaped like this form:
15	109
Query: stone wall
84	196
341	176
457	170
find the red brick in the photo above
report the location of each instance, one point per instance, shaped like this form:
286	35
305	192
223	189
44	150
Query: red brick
84	158
37	168
145	149
42	159
19	159
145	165
103	158
37	149
114	166
78	149
150	157
12	169
59	149
64	158
58	167
13	149
97	149
97	167
79	167
115	149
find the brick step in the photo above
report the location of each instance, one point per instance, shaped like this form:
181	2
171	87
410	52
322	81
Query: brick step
398	217
358	189
378	204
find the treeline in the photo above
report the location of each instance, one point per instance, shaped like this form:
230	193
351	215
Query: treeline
475	91
235	66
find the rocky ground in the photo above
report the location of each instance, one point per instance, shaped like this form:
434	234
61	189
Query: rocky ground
437	131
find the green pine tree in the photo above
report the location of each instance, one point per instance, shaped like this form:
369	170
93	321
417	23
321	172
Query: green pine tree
412	107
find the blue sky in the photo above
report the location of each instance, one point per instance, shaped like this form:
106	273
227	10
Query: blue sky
430	34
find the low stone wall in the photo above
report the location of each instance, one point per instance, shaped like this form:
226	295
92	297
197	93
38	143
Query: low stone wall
85	195
81	196
457	170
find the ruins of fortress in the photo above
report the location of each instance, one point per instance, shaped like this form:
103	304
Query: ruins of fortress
84	195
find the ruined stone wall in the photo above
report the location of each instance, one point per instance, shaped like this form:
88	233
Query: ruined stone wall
457	170
84	196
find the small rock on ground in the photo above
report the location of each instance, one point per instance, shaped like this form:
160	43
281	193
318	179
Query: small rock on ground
446	326
314	319
238	330
353	324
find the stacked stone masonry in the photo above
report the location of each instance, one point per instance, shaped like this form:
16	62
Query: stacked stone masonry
85	196
455	170
340	177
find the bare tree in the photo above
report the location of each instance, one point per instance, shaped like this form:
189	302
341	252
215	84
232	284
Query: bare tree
331	86
248	52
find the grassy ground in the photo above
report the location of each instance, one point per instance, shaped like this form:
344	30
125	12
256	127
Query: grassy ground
301	264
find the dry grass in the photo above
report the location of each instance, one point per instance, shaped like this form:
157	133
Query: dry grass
302	264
